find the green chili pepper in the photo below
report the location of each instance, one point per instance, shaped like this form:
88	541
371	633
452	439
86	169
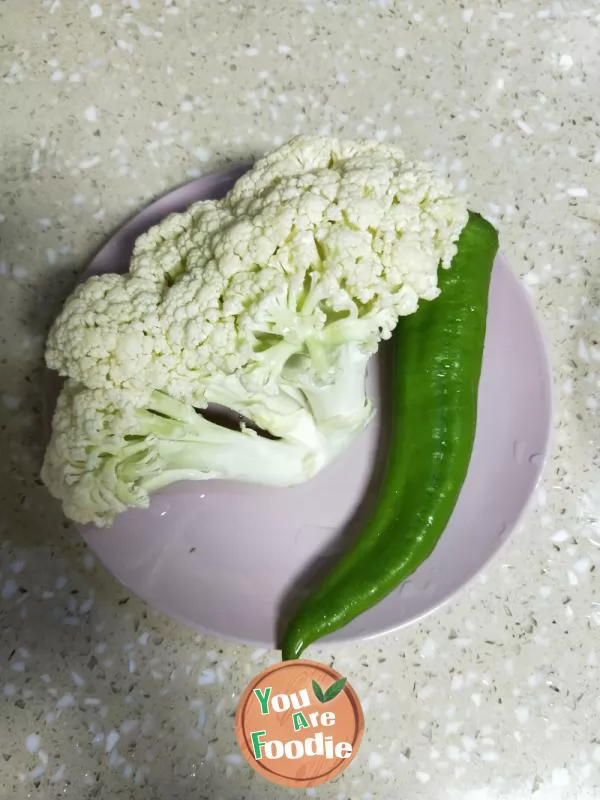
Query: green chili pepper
437	356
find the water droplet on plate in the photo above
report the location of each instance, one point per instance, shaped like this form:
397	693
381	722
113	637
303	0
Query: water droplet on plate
536	459
519	451
408	589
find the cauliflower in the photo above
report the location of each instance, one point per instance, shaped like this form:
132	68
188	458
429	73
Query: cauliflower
110	448
269	302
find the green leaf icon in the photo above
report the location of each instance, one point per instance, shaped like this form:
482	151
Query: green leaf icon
334	689
318	692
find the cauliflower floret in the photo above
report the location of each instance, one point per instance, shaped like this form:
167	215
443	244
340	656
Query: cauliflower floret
178	244
111	332
111	448
106	332
81	462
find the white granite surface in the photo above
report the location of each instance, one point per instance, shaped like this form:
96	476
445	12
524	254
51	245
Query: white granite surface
103	106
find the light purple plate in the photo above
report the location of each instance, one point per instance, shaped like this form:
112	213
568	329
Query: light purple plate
231	559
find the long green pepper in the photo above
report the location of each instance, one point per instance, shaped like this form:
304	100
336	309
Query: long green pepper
436	368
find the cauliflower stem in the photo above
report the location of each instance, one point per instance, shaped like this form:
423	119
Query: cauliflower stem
180	444
114	452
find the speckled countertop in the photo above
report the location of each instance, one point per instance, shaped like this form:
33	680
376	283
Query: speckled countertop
105	105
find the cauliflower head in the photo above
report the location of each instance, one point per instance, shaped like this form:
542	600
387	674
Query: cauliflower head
322	243
269	301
